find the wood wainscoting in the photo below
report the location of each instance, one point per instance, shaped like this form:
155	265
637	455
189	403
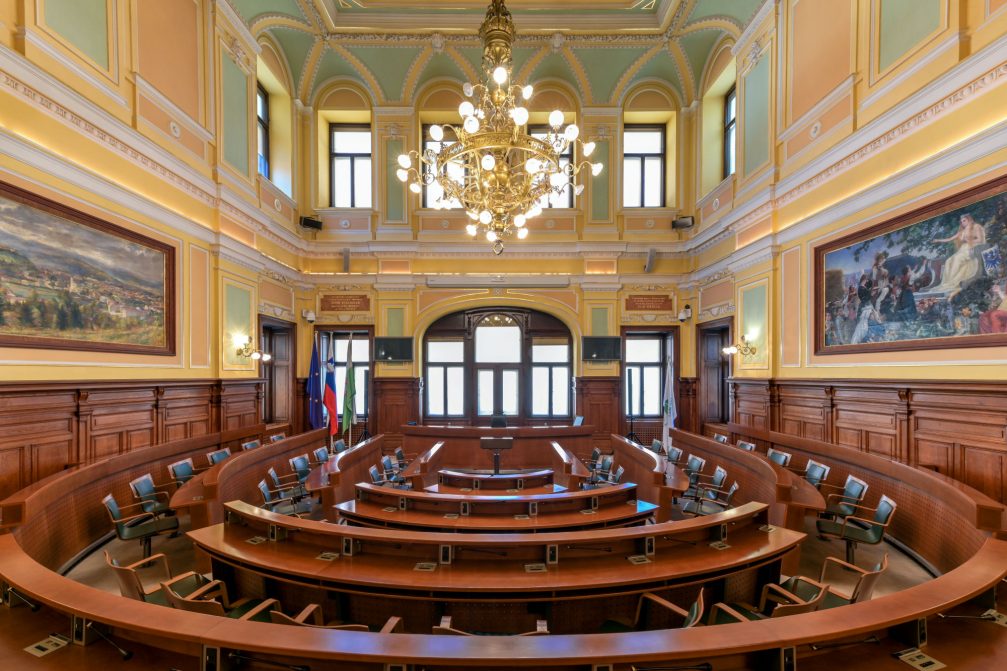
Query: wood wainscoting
48	426
396	401
956	428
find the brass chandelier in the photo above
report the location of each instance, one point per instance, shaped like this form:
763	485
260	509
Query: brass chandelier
495	169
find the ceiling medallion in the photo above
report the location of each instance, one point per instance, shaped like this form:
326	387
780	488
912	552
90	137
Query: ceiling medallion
491	165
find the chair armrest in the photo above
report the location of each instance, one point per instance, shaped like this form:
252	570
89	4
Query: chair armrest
394	625
286	476
784	596
210	589
852	501
134	518
156	494
277	501
159	557
181	577
165	485
829	561
727	610
131	505
864	520
265	606
664	603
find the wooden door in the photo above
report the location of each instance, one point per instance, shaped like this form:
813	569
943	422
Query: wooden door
714	369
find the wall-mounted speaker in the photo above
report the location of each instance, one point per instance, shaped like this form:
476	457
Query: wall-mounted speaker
651	257
601	348
346	259
313	224
393	349
683	222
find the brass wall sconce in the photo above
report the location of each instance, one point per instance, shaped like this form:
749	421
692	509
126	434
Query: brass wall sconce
246	351
744	348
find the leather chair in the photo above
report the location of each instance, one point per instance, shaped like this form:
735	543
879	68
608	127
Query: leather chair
141	526
400	457
284	505
746	446
376	478
845	502
277	437
286	485
774	602
391	470
816	473
152	498
857	528
218	456
674	454
721	438
301	467
212	599
130	585
778	457
311	616
251	445
321	455
859	583
656	447
614	477
593	461
182	471
704	505
703	483
445	629
340	446
690	618
578	420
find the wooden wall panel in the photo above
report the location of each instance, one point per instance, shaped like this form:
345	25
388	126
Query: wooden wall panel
395	402
598	401
956	428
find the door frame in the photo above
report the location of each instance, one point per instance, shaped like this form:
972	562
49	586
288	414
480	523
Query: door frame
712	325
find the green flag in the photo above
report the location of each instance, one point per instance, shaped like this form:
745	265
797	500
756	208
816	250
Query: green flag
349	391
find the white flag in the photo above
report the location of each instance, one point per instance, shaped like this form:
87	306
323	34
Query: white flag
670	411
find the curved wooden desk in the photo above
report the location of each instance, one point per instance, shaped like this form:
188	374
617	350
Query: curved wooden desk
477	481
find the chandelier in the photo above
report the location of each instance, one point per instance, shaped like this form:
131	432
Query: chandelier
490	165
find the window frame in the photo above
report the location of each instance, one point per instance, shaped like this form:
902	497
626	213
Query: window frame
262	123
550	366
543	129
664	336
730	130
663	155
445	365
325	336
334	127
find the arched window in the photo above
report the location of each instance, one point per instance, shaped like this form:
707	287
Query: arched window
497	361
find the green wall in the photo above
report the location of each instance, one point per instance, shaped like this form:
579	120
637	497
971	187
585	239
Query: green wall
236	115
237	320
395	205
756	115
84	24
904	24
599	184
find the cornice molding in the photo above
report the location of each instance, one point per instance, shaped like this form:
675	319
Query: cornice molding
42	44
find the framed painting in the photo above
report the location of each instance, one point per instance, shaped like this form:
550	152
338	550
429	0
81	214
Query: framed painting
932	278
69	280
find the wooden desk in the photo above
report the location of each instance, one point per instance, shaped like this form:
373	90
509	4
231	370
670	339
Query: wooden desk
478	481
468	491
647	470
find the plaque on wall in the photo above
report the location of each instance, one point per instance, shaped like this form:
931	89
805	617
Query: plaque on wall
650	303
344	303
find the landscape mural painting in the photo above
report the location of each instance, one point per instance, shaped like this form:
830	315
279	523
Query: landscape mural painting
933	278
72	281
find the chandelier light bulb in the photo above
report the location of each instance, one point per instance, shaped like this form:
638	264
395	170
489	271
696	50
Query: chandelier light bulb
471	229
520	116
488	162
522	233
572	132
532	165
436	133
485	217
415	187
255	356
555	118
466	109
527	91
597	168
519	221
266	357
474	216
491	236
471	124
468	89
403	175
579	189
500	75
588	149
405	161
534	211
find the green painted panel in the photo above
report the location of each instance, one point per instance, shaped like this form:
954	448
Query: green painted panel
521	56
395	322
604	67
395	208
755	128
904	24
555	66
697	47
600	184
236	116
389	65
333	65
754	320
296	46
661	66
473	55
237	320
249	9
441	65
599	321
741	11
84	24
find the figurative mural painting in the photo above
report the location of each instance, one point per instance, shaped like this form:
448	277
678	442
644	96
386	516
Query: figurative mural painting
70	281
935	281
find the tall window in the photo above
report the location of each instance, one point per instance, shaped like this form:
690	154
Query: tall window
335	345
550	378
498	366
644	363
643	166
433	192
350	154
262	118
730	131
564	199
445	380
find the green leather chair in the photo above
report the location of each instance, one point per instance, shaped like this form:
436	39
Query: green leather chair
778	457
705	505
141	526
153	498
838	505
721	438
340	446
709	484
690	618
132	587
277	503
816	473
857	528
251	445
746	446
182	471
847	583
774	602
320	454
218	456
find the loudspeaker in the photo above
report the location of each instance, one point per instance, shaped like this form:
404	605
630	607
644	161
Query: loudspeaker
683	222
393	349
601	348
313	224
651	257
346	259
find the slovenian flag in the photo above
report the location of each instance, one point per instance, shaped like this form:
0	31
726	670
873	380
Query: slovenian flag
329	395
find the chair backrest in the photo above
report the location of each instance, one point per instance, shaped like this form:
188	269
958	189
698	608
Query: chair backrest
271	472
277	437
694	466
807	606
578	420
616	475
655	446
129	582
279	617
400	456
375	475
218	456
730	493
721	438
207	607
746	446
816	473
113	512
251	445
719	477
882	516
853	494
301	465
695	613
864	588
340	445
674	453
606	463
778	457
267	496
181	471
595	456
144	491
387	466
321	454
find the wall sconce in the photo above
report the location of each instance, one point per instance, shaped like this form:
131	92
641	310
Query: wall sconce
685	314
744	349
245	350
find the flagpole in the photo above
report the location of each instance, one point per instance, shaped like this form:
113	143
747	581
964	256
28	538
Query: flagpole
332	356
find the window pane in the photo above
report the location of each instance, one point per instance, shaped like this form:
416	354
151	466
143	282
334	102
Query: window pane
361	350
484	405
731	107
351	142
510	392
652	390
340	386
362	182
631	182
446	351
456	390
550	353
435	390
632	388
643	349
360	400
730	153
498	344
560	390
540	390
643	142
653	180
261	105
341	182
